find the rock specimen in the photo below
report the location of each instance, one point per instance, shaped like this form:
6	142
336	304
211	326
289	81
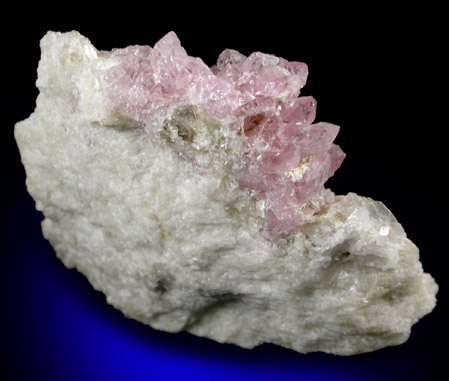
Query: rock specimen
194	198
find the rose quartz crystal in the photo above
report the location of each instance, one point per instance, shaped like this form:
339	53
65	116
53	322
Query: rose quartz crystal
284	159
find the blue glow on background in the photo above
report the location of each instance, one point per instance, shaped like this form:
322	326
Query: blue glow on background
61	329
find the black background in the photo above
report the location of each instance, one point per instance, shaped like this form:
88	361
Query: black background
378	73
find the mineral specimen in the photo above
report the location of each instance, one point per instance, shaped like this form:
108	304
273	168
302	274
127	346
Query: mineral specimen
194	198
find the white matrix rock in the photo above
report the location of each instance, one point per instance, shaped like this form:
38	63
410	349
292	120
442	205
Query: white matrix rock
180	248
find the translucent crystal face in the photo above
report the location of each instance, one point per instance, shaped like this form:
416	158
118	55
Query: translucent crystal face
284	158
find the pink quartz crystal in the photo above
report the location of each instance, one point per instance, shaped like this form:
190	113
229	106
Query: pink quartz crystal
285	159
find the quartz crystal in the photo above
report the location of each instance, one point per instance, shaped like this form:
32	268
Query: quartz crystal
194	198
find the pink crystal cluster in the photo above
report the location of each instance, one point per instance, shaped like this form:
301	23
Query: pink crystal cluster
286	159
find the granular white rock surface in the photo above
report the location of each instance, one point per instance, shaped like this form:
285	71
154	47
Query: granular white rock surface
180	249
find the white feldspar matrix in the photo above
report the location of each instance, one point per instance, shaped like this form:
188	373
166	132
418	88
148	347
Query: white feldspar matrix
194	199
